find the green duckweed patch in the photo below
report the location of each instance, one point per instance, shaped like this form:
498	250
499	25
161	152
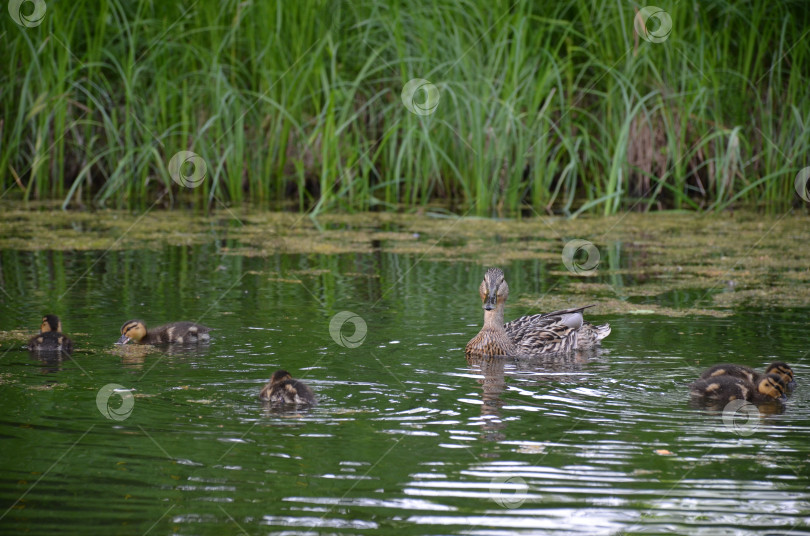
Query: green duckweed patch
723	261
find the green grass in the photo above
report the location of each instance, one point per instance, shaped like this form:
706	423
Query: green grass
544	106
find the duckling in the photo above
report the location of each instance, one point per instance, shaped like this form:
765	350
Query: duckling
535	335
283	389
176	332
779	368
50	338
720	390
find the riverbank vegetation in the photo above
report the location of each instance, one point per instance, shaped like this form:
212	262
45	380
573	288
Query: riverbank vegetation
526	107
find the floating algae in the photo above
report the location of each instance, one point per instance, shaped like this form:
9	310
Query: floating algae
733	260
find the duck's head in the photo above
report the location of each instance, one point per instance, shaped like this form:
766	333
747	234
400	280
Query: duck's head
782	370
279	376
50	323
772	386
132	330
493	290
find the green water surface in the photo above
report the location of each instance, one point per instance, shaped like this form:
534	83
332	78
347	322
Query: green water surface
408	438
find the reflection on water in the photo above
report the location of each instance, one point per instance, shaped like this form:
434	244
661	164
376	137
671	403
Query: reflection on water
493	384
409	436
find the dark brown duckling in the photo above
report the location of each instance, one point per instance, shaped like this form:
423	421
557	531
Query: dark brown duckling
283	389
176	332
50	338
779	368
722	389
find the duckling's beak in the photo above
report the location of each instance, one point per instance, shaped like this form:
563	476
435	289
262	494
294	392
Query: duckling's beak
791	385
123	340
490	302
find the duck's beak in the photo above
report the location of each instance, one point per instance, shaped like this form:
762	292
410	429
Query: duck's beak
490	302
123	340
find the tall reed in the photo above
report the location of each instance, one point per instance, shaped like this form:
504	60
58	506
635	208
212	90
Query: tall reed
543	106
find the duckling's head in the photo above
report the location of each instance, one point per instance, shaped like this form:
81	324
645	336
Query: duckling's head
772	386
493	290
279	376
50	323
132	330
782	370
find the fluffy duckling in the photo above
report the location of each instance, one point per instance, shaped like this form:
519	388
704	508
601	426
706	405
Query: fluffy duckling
176	332
722	389
50	338
779	368
283	389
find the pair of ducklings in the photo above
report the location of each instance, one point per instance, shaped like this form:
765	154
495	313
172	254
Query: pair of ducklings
722	384
51	338
282	388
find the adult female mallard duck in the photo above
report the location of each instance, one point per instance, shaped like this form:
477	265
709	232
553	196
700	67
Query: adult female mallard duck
176	332
283	389
779	368
722	389
50	338
535	335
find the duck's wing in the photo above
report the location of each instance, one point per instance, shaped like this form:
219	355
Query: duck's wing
554	339
547	333
521	327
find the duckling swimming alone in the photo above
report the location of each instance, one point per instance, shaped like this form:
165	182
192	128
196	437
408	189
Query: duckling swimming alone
540	334
779	368
722	389
283	389
176	332
50	338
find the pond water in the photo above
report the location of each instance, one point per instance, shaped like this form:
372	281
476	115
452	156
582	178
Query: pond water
408	438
